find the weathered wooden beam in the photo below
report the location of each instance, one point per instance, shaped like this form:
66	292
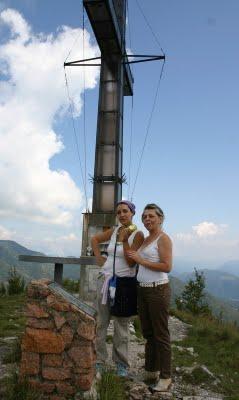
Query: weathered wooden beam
84	260
58	273
59	261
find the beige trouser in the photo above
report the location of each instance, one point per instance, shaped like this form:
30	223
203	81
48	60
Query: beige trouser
121	330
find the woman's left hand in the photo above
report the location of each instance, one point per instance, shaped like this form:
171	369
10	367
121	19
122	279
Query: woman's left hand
134	256
124	234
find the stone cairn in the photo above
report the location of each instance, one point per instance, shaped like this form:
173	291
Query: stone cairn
58	352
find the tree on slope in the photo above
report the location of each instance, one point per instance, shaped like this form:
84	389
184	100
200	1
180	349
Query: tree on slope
193	296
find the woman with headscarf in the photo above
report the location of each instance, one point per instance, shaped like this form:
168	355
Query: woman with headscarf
121	239
154	258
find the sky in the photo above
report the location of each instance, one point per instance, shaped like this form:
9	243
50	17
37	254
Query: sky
190	161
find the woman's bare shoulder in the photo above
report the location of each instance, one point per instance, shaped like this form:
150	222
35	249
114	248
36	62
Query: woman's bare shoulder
139	234
164	239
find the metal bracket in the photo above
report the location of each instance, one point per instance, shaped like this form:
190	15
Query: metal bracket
108	179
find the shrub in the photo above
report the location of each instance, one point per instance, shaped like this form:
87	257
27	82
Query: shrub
193	297
3	290
71	285
16	283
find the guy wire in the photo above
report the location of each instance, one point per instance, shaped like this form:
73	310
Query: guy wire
149	26
74	129
148	128
84	108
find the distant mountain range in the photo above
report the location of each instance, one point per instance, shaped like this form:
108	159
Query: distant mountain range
181	266
231	267
222	287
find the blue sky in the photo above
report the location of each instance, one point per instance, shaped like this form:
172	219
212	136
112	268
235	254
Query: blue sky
190	163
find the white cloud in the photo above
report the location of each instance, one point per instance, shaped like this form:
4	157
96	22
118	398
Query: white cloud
206	241
65	245
185	237
19	27
205	229
5	234
32	96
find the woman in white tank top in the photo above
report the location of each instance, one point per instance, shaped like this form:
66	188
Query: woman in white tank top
154	258
124	266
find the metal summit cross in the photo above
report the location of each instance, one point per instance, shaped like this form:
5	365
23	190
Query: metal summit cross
108	18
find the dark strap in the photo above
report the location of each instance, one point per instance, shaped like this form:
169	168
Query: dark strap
114	254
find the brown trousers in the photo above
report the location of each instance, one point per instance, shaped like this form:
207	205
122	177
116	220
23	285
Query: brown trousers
153	303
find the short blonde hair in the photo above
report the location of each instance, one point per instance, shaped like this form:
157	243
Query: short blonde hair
157	209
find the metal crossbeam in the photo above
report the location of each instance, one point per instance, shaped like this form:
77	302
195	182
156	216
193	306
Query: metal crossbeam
145	58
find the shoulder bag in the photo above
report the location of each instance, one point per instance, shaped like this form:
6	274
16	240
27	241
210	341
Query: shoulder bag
122	293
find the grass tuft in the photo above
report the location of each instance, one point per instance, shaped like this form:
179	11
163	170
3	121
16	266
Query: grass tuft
12	319
137	327
14	353
197	377
111	387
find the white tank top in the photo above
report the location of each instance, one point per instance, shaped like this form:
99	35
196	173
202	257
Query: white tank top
121	266
150	253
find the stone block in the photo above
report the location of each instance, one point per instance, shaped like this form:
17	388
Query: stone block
30	364
40	323
59	321
43	387
42	341
87	330
56	374
83	356
67	362
38	289
52	360
65	388
33	310
84	381
67	335
57	304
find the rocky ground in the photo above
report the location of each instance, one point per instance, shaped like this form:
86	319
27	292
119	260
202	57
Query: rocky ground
179	390
5	348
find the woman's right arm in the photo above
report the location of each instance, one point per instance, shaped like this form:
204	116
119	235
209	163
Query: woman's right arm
96	240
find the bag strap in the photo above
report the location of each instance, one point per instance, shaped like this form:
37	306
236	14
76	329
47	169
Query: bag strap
115	253
116	235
